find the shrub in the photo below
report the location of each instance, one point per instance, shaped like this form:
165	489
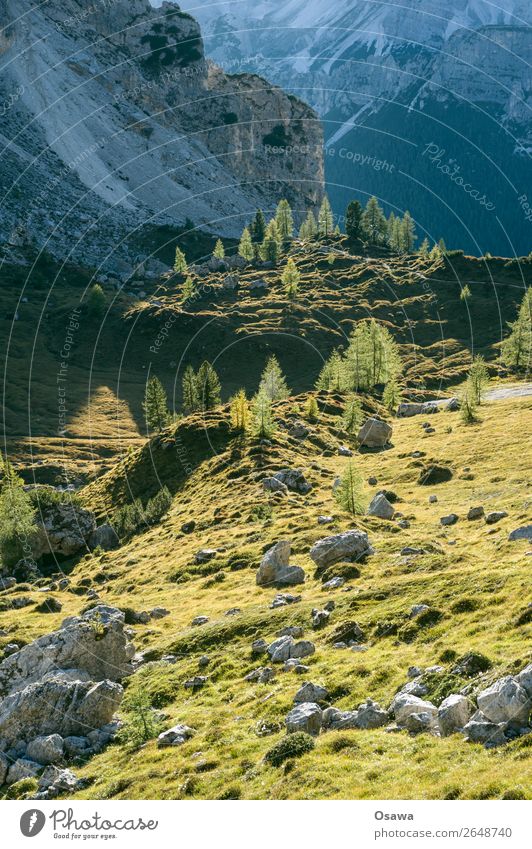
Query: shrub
141	723
23	789
292	746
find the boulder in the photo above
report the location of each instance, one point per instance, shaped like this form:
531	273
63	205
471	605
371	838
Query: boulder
334	583
407	409
23	768
54	781
381	507
104	537
404	704
451	519
344	451
274	485
196	683
349	545
46	750
258	647
325	520
74	746
285	647
5	763
199	620
175	736
320	618
337	720
307	717
298	430
524	679
505	701
417	723
94	643
453	713
294	480
475	513
303	648
524	532
495	516
63	529
374	433
309	692
205	554
261	675
58	707
275	569
371	715
480	730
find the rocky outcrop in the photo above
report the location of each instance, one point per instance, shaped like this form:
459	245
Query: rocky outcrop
58	695
349	545
374	433
63	529
275	570
137	104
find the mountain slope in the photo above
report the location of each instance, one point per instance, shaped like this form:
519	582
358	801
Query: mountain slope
113	121
391	79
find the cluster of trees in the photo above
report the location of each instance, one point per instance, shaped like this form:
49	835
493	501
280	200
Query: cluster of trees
516	350
371	359
130	518
370	224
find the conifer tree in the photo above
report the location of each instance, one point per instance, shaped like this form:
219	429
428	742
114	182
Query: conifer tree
219	250
353	220
240	414
191	399
424	247
442	247
188	290
258	227
245	248
309	227
478	377
271	246
209	388
180	263
408	233
273	382
465	293
349	492
468	405
17	517
391	230
325	218
391	397
284	220
290	279
96	301
374	224
353	416
263	423
312	409
435	252
516	350
155	405
332	375
372	356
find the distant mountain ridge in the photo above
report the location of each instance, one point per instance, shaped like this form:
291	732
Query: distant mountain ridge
390	79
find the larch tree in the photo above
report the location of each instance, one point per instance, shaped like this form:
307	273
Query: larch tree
309	227
155	405
258	227
516	350
273	382
350	493
353	416
191	399
325	218
284	220
290	279
478	377
245	247
262	416
240	413
374	225
209	387
219	250
180	262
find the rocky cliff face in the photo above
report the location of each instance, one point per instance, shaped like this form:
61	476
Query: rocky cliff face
389	79
113	121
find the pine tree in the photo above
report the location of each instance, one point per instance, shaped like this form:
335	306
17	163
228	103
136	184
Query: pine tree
219	250
391	397
325	218
374	226
96	301
312	409
273	382
180	264
478	377
209	388
332	375
516	350
353	416
408	232
191	399
155	405
245	248
349	493
309	228
263	423
284	220
290	279
271	246
188	290
240	416
17	518
258	227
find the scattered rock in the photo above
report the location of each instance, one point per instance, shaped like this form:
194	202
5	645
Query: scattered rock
175	736
259	646
521	533
475	513
200	620
495	516
453	713
381	507
46	750
374	433
275	569
372	481
54	781
159	613
306	717
322	520
261	675
233	611
22	768
433	499
337	720
404	704
334	583
344	451
205	554
294	480
298	430
196	683
104	537
505	701
320	618
433	474
283	599
451	519
64	529
188	527
480	730
310	692
418	609
295	631
274	485
371	715
349	545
